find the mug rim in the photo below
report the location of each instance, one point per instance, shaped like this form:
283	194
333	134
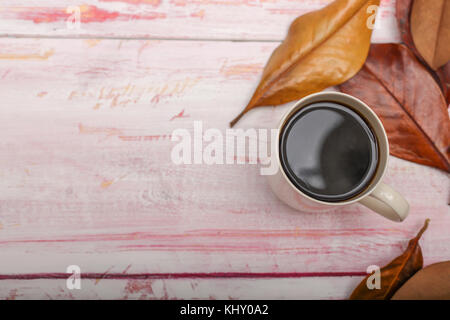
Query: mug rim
380	171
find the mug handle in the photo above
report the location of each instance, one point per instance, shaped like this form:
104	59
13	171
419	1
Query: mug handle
387	202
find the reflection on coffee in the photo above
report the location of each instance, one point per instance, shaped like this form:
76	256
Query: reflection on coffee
328	151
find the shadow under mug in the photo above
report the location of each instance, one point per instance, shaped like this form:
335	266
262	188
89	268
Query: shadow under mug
377	196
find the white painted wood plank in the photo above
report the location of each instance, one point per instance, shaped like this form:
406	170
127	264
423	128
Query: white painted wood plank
225	289
183	19
86	176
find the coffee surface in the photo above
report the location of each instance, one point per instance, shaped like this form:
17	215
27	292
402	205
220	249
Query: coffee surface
328	151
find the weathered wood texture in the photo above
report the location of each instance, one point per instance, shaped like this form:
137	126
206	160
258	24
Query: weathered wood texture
249	289
86	176
183	19
86	168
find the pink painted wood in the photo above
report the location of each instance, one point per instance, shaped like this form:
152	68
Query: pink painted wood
86	176
250	289
171	19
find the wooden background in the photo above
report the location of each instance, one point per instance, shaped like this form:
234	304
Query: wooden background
86	177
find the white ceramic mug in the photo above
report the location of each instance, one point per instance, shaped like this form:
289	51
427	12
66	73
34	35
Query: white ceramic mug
377	196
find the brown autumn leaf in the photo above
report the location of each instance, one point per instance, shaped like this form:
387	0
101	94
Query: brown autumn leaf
403	14
395	274
408	101
444	80
430	29
322	49
430	283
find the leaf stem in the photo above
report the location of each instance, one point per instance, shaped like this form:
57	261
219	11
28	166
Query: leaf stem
425	226
235	120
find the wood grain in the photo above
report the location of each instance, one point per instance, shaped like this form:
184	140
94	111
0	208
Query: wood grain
176	19
249	289
87	177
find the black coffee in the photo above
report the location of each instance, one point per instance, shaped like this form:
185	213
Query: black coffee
328	151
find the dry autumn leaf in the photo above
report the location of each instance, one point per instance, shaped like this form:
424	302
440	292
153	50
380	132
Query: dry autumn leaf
430	29
322	49
409	102
444	79
430	283
403	13
395	274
